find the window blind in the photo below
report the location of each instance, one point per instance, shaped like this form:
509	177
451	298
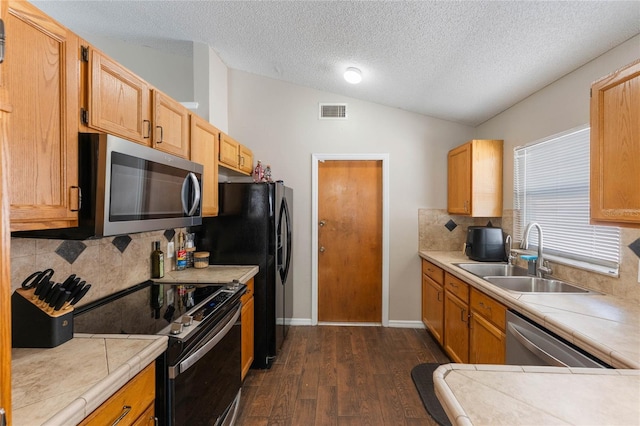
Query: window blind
551	187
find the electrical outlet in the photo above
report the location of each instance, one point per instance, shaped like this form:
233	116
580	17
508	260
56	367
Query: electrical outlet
170	250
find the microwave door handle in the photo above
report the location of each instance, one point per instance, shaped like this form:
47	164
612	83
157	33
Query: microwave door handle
196	195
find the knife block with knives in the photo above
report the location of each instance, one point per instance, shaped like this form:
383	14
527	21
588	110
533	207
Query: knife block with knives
33	327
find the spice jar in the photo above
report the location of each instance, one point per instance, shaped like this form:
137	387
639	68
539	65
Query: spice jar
201	259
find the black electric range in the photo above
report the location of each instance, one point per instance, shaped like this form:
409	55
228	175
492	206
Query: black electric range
202	322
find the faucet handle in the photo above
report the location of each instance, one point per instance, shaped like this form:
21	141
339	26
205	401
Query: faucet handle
545	268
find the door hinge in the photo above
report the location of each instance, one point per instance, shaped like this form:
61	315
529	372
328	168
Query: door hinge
590	93
84	53
84	116
2	38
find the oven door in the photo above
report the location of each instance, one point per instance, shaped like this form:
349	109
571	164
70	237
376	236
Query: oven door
204	385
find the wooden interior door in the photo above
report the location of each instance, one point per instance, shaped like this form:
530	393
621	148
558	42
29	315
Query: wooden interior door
350	241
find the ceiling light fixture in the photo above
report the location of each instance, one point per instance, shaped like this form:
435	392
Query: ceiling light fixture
353	75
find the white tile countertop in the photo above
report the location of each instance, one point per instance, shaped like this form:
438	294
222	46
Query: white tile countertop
512	395
62	385
603	325
214	274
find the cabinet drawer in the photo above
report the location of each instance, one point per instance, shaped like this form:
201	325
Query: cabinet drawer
457	287
249	294
133	398
490	309
432	271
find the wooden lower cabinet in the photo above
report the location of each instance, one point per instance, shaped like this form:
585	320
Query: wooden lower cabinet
487	330
433	300
247	321
456	327
131	405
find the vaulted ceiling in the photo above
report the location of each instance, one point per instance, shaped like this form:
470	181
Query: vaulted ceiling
463	61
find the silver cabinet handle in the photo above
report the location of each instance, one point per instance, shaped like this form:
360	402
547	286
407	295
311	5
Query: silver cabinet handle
125	410
148	123
3	418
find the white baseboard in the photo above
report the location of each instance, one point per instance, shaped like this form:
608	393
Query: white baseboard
394	324
406	324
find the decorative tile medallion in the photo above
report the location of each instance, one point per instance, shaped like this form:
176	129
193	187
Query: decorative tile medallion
70	250
451	225
635	247
169	234
121	242
489	224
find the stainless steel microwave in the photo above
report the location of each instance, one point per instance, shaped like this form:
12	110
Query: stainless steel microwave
127	188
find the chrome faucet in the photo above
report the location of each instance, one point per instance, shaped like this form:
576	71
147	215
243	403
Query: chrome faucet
509	252
542	266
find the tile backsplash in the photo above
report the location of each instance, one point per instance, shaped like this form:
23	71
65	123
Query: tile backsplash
433	235
110	264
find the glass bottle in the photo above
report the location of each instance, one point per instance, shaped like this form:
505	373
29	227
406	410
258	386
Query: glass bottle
267	174
157	261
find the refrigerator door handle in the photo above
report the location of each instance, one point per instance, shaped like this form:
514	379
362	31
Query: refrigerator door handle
284	213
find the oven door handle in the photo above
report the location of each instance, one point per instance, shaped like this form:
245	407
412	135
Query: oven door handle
175	371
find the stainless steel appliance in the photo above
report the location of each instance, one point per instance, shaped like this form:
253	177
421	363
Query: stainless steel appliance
530	344
198	378
485	244
254	227
126	188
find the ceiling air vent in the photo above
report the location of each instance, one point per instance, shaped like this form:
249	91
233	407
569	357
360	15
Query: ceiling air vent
333	111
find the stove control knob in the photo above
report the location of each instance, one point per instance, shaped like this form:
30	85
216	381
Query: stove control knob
187	320
176	328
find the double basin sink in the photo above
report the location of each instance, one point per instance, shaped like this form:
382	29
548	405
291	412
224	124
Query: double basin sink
515	278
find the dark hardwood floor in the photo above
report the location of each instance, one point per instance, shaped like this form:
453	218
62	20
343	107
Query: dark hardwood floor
329	375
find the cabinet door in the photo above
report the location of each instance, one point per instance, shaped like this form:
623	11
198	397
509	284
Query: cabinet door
119	100
41	73
229	151
129	403
170	125
433	307
247	321
615	148
246	160
456	328
459	180
204	147
486	341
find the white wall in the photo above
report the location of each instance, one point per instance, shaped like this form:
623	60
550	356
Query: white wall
171	73
279	121
560	106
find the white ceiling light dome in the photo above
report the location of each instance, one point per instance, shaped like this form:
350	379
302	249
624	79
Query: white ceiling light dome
353	75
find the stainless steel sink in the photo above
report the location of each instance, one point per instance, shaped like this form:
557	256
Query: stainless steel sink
530	284
492	269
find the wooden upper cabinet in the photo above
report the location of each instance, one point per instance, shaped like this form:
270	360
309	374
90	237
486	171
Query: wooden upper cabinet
204	150
42	78
474	184
118	100
234	155
615	148
170	125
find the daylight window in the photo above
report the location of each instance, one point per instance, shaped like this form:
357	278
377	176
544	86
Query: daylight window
551	187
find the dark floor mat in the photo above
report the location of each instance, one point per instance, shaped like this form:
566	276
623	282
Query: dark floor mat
422	376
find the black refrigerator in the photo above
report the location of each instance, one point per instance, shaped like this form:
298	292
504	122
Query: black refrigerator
254	227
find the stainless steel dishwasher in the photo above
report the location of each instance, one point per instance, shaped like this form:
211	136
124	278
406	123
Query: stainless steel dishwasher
530	344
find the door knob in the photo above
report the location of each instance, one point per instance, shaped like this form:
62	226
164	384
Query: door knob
322	249
322	223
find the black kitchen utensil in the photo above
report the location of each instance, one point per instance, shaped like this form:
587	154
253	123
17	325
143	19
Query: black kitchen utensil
64	297
81	294
36	278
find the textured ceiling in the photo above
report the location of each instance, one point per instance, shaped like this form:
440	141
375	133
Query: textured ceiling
463	61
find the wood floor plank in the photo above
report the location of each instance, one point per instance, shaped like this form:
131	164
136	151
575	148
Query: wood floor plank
331	375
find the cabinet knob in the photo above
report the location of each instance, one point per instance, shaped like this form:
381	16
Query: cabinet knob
322	223
321	249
